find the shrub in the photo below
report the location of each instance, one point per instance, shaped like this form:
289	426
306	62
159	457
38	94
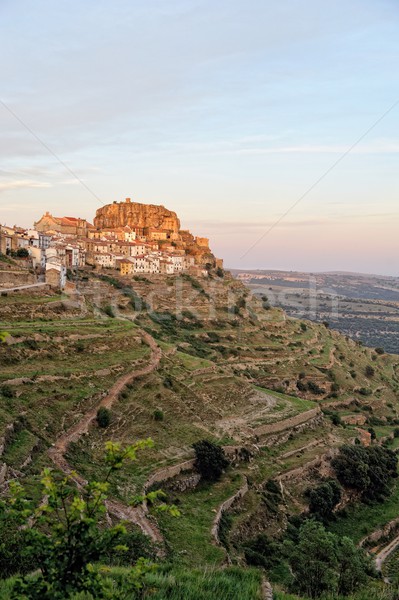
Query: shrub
210	460
168	383
240	303
262	552
302	387
315	388
322	562
324	498
368	470
103	417
109	311
6	391
380	350
66	539
365	391
158	414
369	371
22	253
79	346
335	419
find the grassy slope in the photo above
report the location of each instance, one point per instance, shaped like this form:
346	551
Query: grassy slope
247	355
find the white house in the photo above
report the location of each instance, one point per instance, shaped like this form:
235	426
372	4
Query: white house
104	259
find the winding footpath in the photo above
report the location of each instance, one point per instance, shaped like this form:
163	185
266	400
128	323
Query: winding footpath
136	515
385	553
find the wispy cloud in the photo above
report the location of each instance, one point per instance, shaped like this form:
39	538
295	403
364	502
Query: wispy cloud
15	185
372	148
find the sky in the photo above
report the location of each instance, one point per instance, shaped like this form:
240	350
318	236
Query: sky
269	126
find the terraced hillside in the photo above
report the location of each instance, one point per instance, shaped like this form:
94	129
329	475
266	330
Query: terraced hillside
274	392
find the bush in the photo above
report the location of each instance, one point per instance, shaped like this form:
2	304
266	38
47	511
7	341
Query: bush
71	535
369	371
262	552
314	388
380	350
335	419
103	417
6	391
322	562
79	346
301	386
323	499
210	460
158	414
22	253
365	391
368	470
109	311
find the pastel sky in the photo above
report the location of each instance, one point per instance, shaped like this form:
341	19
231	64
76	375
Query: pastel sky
226	111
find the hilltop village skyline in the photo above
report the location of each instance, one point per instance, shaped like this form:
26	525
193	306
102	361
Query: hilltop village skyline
131	237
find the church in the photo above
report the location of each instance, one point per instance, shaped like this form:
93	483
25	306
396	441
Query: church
65	225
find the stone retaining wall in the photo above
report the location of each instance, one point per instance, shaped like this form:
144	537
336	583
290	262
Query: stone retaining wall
225	506
168	473
289	423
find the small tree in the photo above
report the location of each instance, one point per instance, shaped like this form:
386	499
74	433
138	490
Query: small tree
103	417
369	371
22	253
158	414
210	460
3	336
324	498
66	536
109	311
323	563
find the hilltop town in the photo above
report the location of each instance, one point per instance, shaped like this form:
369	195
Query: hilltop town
129	237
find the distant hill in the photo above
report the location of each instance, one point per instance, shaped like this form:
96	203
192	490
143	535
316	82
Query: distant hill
365	307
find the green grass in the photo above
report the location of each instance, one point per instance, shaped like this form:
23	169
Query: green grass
18	449
189	536
299	403
171	583
373	591
363	519
224	584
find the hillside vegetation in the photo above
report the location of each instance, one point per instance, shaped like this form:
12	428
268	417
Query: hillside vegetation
280	395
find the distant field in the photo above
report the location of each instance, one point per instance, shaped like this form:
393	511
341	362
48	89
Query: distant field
364	307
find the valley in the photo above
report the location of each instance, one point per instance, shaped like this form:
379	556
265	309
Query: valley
364	307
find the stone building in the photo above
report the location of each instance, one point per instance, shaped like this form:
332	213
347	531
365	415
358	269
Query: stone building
65	225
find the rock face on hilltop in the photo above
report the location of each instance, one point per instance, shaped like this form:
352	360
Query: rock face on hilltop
134	214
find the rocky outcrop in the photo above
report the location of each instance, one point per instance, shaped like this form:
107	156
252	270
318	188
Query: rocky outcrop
134	214
157	223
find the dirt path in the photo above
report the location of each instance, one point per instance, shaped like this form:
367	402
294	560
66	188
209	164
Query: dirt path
383	554
136	515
